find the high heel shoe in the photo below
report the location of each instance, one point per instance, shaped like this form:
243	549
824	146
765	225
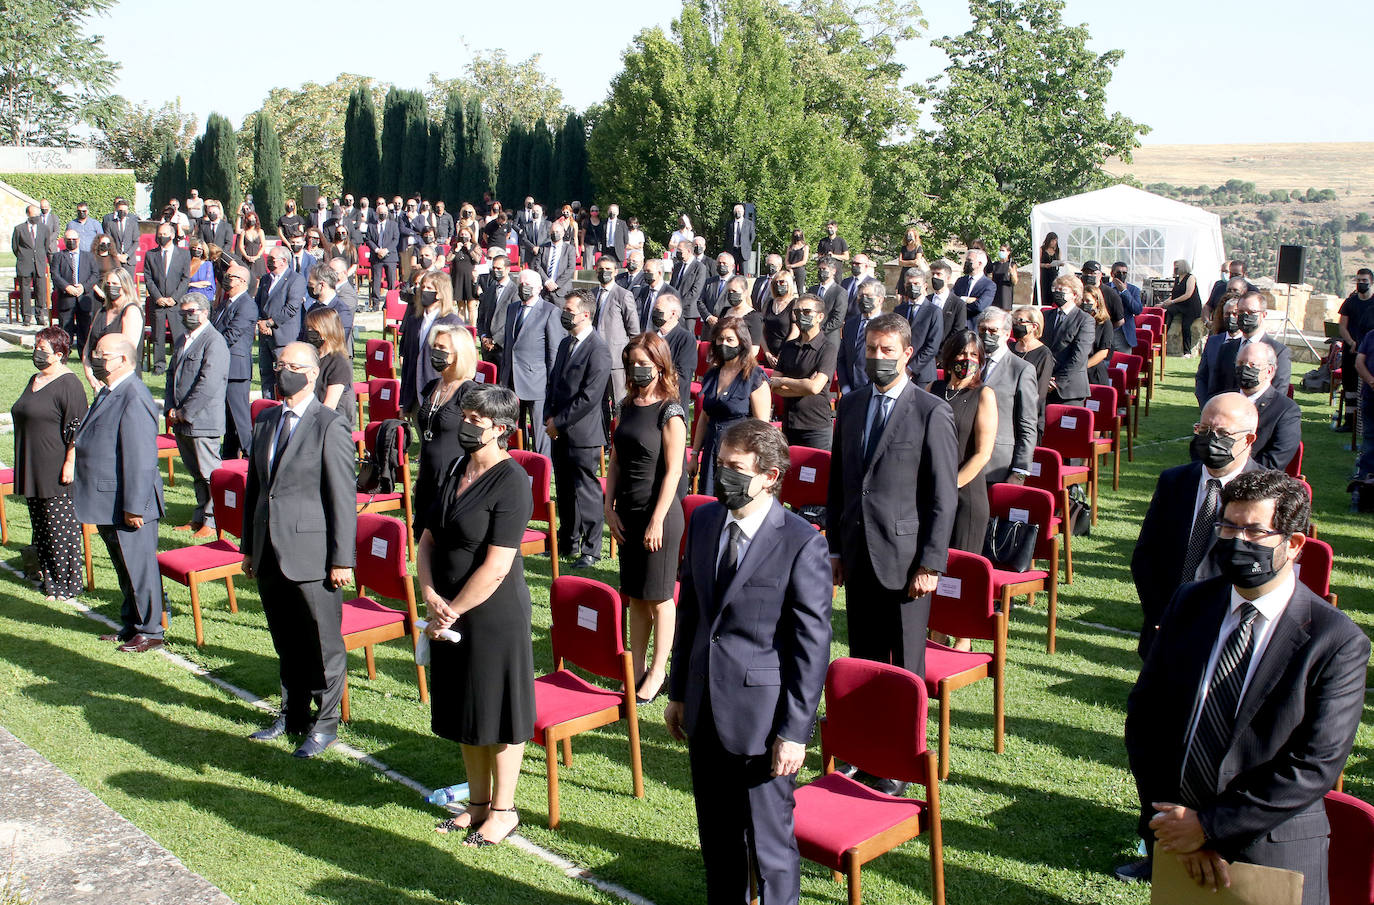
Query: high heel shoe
477	840
451	825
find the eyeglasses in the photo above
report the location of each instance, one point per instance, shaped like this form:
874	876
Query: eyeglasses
1253	533
290	366
1207	428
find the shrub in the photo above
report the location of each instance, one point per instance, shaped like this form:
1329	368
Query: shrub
66	190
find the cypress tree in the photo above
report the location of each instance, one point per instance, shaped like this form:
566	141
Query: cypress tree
369	159
161	191
178	182
195	170
220	153
505	169
452	153
416	147
479	167
539	178
268	197
571	163
348	157
392	143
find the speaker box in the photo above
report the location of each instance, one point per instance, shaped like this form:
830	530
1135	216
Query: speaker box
1292	264
309	195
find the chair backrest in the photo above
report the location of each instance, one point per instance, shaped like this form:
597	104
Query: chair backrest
962	605
875	718
703	350
1294	466
690	503
1154	321
1118	379
1068	430
259	406
1046	471
1101	402
486	372
1022	502
540	470
227	488
586	628
1350	874
380	556
395	308
381	358
1144	342
364	257
370	444
1314	566
1156	310
1130	366
808	477
383	398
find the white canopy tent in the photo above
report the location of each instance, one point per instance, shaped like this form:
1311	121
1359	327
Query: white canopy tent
1121	223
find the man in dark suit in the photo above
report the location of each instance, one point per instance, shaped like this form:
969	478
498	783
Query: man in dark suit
556	263
860	274
301	261
977	291
122	227
73	275
281	296
1248	704
572	420
534	234
1069	332
850	358
532	335
653	286
1013	382
214	229
1250	316
29	245
1131	303
666	320
953	309
760	294
1176	533
1279	430
118	488
166	279
749	661
927	327
235	320
383	240
194	403
613	243
616	319
833	295
712	300
497	291
317	218
49	221
298	532
689	281
891	503
633	277
739	239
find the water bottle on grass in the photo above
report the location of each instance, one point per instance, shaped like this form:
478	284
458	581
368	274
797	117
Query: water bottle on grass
448	795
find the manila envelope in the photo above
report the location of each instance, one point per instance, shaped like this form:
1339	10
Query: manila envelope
1250	885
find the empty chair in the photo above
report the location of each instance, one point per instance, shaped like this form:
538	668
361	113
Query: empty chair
1101	402
538	540
1314	569
1069	432
399	497
220	558
380	359
1048	473
1036	506
1350	871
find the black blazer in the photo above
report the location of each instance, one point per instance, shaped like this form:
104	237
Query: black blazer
124	233
904	524
1293	731
577	388
763	646
493	298
744	248
164	282
849	358
689	280
567	264
614	243
527	358
836	310
218	233
1224	366
236	320
1279	431
953	315
1071	341
927	331
683	345
63	276
306	510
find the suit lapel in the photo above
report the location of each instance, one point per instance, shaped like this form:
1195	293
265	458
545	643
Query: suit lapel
759	550
1290	633
707	554
295	441
853	436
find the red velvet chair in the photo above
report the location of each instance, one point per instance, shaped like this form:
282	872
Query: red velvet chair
807	479
393	312
383	401
1294	467
6	489
1350	874
381	359
1069	432
539	540
486	372
875	719
690	503
1145	349
380	557
1034	505
397	499
1314	569
587	633
1131	366
364	271
167	450
1047	473
1126	401
1101	402
220	558
360	395
1155	322
962	607
258	406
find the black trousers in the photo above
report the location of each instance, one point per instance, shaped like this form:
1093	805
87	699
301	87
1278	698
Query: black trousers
267	362
884	625
1188	317
378	268
305	620
33	294
162	319
742	811
816	439
133	551
580	509
66	319
238	421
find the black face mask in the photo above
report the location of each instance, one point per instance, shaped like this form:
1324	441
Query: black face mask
114	291
1247	564
632	266
734	297
990	342
1248	376
429	297
677	256
568	319
1089	307
867	305
470	437
71	244
659	318
937	283
41	359
641	375
913	290
1212	449
727	353
805	321
100	369
1020	330
857	270
526	292
290	382
1362	287
732	488
1232	323
164	241
426	263
772	269
314	338
1249	322
604	277
723	269
438	359
881	371
190	319
1059	298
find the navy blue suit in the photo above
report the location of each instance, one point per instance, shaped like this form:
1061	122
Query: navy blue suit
383	235
927	332
748	667
849	360
280	300
573	401
235	320
74	311
982	289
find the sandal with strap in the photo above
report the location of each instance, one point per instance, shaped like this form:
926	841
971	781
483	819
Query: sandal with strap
451	825
477	840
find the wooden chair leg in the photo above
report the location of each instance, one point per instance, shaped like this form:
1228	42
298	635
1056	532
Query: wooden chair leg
422	683
195	611
1068	533
855	893
999	715
636	768
87	531
551	757
371	663
944	730
171	471
233	597
567	751
4	523
837	876
1053	611
344	713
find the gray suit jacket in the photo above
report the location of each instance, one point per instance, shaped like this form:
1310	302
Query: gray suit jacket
619	320
1018	413
527	358
562	275
690	282
1071	340
305	507
116	457
196	384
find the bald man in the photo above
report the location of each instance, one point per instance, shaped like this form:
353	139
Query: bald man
1176	535
1279	430
234	319
118	488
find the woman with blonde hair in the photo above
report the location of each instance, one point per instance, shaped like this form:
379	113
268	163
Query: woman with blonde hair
431	306
1103	336
122	312
1027	326
439	416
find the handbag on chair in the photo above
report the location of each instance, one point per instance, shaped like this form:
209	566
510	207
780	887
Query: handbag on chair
1010	545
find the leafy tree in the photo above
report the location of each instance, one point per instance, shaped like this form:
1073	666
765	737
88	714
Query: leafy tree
416	147
52	75
361	156
713	114
479	166
268	198
1022	117
539	180
219	151
132	136
452	151
513	92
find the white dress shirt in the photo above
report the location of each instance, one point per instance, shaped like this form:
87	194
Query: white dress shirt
749	528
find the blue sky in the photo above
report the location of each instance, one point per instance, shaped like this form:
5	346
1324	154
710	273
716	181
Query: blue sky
1196	71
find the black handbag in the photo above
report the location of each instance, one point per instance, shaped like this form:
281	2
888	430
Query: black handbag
1010	545
1080	512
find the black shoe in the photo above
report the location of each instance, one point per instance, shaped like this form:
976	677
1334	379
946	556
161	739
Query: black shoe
315	743
894	787
1135	872
847	770
585	561
274	731
160	369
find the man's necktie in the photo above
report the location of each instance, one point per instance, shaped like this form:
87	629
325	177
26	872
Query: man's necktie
853	289
1201	537
729	561
1215	724
520	320
610	234
875	428
553	262
283	438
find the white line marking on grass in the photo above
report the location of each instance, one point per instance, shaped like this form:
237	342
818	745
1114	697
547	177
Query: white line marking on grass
568	868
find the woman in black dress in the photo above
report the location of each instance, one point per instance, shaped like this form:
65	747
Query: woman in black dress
1103	336
334	386
464	256
1050	261
121	312
46	417
1185	304
440	415
1005	276
431	306
473	581
643	502
1027	326
778	324
798	256
910	255
733	389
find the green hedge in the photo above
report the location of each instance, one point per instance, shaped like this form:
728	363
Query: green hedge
65	192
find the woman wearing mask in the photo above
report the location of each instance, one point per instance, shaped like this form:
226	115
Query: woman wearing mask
798	256
740	305
340	246
440	415
121	313
103	252
1005	276
1027	326
334	387
467	219
201	269
431	306
910	255
249	248
634	239
1103	334
644	505
1051	259
314	242
46	417
975	420
778	326
683	233
472	580
733	389
1185	305
461	260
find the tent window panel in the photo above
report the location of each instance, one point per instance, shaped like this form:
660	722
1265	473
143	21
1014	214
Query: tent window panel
1115	246
1148	259
1082	245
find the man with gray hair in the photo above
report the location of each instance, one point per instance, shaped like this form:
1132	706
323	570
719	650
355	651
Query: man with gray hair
194	403
1013	382
345	298
234	320
1278	430
281	296
531	336
712	301
633	277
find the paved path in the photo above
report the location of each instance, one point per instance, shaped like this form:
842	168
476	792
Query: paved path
67	846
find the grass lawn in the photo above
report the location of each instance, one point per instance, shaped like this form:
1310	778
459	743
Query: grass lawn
1042	823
